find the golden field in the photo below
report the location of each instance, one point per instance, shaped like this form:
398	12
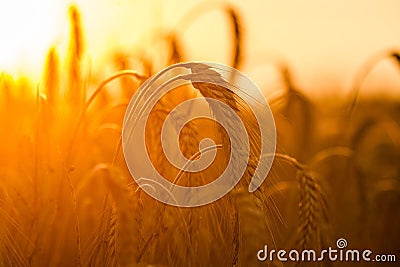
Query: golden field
68	199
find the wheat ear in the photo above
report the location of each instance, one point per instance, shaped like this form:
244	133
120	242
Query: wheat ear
312	205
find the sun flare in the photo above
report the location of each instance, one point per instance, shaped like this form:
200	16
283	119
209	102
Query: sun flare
28	29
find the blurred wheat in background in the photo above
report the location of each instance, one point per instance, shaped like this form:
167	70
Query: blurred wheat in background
67	198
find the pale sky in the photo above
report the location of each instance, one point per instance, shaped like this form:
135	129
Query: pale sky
325	42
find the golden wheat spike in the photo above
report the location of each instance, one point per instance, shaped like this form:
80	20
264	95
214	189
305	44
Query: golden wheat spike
52	77
237	36
76	93
176	55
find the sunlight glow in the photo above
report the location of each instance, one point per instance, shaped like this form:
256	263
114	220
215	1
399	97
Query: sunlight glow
28	28
323	49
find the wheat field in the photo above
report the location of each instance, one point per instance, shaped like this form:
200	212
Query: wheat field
68	199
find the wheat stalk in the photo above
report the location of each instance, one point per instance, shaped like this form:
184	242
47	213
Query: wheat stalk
10	250
312	206
363	73
234	20
76	93
92	98
251	235
52	78
237	36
